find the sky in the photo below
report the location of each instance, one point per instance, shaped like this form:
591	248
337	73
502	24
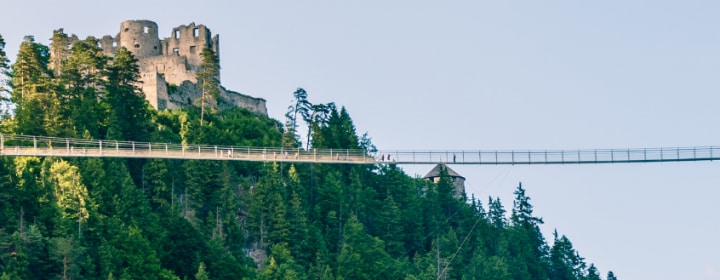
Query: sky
437	75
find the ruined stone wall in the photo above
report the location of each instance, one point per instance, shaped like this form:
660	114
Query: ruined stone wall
175	69
186	94
149	86
189	41
168	67
108	45
256	105
161	93
182	95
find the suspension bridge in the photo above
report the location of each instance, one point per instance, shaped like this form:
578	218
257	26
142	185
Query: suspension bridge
42	146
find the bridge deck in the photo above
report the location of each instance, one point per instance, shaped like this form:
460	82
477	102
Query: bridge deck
24	145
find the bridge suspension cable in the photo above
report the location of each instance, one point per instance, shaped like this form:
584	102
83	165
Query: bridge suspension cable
28	145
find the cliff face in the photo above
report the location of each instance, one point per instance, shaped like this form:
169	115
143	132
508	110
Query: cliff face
168	66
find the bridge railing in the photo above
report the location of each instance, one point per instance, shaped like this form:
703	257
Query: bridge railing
18	145
582	156
74	147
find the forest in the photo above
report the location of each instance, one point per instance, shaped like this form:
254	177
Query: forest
111	218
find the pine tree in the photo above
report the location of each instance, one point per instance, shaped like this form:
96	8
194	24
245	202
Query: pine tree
362	256
71	195
291	139
130	111
565	263
301	106
180	246
83	75
297	217
209	81
67	253
592	273
482	267
201	274
5	104
316	116
59	51
528	245
4	61
30	81
281	265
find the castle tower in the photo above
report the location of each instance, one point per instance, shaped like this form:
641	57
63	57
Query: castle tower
189	41
457	180
168	67
140	37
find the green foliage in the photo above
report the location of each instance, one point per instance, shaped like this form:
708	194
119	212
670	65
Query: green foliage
71	195
209	81
4	61
115	218
30	84
130	116
201	274
5	105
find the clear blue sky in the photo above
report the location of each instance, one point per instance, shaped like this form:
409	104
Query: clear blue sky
489	75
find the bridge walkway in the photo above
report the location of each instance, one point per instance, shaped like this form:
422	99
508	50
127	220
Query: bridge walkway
28	145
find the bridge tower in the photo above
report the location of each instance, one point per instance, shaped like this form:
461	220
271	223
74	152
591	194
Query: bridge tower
457	180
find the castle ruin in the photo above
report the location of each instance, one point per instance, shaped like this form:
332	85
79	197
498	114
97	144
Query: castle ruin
168	67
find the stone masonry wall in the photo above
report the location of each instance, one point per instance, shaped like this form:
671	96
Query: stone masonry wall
168	66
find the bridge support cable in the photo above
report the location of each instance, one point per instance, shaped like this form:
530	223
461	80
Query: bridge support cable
27	145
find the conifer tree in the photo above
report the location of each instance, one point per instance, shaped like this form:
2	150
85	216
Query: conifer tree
59	51
301	106
201	274
299	244
592	273
5	104
30	81
209	81
83	74
362	256
130	114
67	253
528	246
71	195
291	139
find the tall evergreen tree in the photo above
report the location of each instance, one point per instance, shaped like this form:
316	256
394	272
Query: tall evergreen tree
362	256
528	246
83	74
209	81
201	273
59	51
5	103
30	81
300	106
71	195
592	273
130	111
